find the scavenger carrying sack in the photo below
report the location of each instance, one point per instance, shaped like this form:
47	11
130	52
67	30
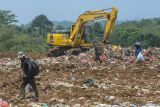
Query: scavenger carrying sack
31	68
35	67
140	57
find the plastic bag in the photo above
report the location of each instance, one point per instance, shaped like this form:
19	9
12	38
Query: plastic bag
140	57
28	88
103	57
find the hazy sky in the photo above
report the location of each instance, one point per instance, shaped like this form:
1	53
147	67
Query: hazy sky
26	10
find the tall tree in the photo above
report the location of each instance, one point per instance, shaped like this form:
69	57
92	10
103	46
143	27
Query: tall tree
98	30
7	17
60	27
41	24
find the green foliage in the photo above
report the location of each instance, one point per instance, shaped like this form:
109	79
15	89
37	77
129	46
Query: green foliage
145	31
7	18
96	30
23	38
6	36
60	27
41	25
98	27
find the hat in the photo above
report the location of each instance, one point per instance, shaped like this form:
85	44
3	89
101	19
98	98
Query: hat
20	54
137	44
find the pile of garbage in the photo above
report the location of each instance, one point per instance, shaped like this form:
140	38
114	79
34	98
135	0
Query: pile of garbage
8	64
111	55
75	81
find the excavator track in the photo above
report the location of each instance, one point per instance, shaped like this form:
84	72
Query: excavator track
56	52
59	51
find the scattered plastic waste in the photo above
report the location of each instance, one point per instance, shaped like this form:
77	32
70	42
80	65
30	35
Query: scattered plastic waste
45	105
79	80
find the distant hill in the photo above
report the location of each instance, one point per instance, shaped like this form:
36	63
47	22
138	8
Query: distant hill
64	23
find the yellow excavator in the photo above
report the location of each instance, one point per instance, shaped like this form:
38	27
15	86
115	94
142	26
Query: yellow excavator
75	39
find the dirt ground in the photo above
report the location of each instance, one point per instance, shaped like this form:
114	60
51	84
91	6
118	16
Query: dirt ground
135	83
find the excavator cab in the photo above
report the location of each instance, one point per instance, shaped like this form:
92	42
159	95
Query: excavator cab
57	37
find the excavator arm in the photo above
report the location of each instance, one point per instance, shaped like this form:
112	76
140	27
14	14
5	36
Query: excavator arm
110	23
94	15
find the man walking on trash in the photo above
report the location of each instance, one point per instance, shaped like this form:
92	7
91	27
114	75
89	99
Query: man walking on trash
138	52
27	68
97	54
138	48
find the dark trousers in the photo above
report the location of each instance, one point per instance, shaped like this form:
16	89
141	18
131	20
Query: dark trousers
30	81
97	55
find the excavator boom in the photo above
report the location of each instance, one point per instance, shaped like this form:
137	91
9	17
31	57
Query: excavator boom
95	15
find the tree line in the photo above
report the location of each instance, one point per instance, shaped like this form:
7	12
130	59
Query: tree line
32	36
145	31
